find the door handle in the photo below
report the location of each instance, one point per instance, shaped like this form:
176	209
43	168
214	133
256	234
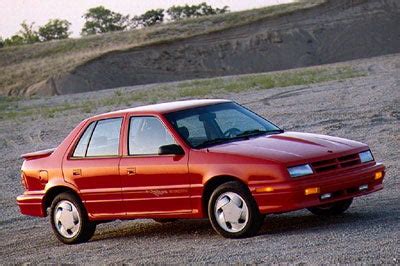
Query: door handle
131	171
76	172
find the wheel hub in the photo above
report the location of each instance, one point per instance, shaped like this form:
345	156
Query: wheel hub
66	219
231	212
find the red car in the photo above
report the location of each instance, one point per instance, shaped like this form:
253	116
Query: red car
191	159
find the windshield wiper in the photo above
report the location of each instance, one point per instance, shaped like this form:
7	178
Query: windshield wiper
218	141
252	132
211	142
256	132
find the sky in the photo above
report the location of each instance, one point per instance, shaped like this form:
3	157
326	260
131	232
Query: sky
13	12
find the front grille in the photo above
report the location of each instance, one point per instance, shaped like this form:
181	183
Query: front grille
336	163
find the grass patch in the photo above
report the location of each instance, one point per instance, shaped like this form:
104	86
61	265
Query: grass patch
190	89
266	81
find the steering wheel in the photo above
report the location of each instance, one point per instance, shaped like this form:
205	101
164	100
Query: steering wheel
232	132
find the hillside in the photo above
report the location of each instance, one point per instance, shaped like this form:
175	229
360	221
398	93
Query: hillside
274	38
23	66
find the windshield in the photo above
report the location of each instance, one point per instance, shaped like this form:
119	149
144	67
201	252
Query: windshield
219	123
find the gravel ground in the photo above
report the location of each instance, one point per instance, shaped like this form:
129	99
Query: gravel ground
366	109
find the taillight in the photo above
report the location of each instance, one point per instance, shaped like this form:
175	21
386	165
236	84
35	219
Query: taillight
23	180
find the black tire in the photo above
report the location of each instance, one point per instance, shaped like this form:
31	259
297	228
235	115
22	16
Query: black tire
254	218
85	229
331	209
165	220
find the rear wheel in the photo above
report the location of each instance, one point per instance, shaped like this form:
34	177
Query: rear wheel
330	209
233	212
69	219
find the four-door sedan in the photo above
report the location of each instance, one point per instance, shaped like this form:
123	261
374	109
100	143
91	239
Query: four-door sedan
191	159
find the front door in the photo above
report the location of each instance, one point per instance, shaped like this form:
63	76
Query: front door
153	185
93	168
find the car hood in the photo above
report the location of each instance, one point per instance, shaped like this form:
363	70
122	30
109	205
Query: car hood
290	147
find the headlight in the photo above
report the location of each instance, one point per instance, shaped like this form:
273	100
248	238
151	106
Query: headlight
300	170
366	156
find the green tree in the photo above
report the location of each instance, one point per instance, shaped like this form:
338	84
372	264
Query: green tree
150	18
100	20
55	29
25	35
207	10
1	42
194	11
28	34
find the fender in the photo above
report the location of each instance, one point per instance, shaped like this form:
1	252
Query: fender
60	182
55	186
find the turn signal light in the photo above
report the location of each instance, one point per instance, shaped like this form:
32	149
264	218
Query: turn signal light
264	189
311	190
378	175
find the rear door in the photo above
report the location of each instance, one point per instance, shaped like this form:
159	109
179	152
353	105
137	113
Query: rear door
93	167
153	185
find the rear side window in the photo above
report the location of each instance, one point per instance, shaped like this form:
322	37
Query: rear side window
101	138
105	138
80	150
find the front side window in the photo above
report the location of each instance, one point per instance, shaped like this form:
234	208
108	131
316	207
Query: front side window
146	135
219	123
101	138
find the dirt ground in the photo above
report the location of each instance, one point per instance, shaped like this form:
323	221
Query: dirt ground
366	109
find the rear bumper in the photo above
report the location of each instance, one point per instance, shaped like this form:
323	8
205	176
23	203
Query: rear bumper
291	196
31	204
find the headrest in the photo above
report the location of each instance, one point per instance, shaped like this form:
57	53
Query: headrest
184	132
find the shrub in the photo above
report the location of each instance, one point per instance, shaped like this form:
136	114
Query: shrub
194	11
150	18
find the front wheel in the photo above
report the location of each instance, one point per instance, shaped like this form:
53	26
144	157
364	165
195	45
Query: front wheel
233	212
330	209
69	219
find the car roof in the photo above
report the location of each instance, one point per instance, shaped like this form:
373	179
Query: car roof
168	107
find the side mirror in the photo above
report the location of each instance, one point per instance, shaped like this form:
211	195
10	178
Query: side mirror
171	149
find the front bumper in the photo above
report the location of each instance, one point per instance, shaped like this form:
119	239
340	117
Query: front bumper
291	196
31	204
